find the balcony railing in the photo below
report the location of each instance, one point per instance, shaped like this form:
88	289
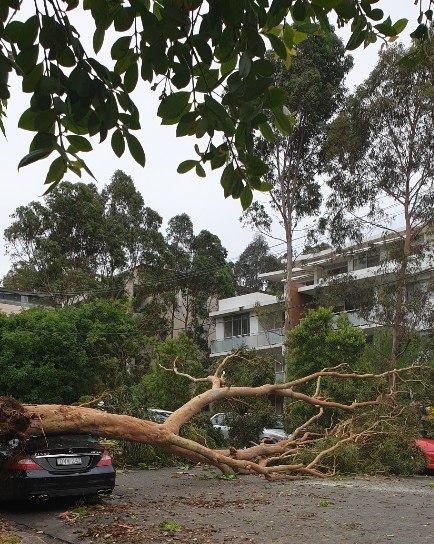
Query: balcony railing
272	338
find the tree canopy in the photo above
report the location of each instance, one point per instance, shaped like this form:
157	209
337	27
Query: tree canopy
81	240
381	167
314	89
207	60
253	261
58	355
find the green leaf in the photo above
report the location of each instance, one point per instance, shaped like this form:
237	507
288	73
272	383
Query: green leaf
278	46
32	79
29	32
228	65
386	29
217	109
400	25
124	18
136	149
118	143
173	105
98	38
299	11
4	91
267	132
282	121
181	76
245	65
309	28
265	187
45	120
420	33
34	156
263	67
246	197
275	97
56	171
376	14
227	179
322	17
13	30
186	166
27	120
356	39
200	170
125	62
256	165
121	47
43	140
80	143
131	77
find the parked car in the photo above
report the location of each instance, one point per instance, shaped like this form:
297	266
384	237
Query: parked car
270	434
427	447
158	415
55	466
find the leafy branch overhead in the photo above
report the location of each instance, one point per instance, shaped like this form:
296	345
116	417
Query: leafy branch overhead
207	60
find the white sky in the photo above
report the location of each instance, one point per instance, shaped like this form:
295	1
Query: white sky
162	188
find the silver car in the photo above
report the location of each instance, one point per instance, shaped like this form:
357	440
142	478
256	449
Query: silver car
274	434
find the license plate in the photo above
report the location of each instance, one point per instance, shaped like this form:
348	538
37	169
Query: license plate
66	461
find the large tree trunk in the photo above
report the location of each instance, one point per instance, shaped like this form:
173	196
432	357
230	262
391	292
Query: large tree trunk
20	421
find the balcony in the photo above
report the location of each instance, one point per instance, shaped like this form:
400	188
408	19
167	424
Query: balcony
261	340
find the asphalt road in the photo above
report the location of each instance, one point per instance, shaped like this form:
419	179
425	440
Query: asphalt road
193	506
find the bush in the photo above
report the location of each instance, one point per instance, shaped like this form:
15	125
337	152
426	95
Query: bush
387	449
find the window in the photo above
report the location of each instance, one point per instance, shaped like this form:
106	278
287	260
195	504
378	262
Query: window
368	260
335	270
372	260
237	325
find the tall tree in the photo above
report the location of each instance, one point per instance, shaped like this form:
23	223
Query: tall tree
200	273
201	55
313	89
79	240
254	260
382	162
192	275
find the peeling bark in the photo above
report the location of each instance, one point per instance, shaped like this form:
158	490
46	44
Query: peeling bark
270	460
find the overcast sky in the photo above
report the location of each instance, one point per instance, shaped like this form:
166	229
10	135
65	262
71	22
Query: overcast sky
162	188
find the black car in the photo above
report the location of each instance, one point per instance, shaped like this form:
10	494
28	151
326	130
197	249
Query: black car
54	466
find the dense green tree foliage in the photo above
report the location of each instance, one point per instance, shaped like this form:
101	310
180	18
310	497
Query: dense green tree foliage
205	58
56	356
193	275
323	341
161	387
80	241
253	261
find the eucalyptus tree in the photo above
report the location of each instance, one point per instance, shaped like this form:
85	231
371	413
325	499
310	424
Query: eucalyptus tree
79	242
313	90
207	60
199	274
381	167
253	261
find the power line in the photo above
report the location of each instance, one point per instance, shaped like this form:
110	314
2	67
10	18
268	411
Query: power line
308	304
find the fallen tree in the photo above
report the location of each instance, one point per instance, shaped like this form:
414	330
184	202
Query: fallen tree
270	460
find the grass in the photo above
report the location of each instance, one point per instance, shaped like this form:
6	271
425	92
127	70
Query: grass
9	538
170	526
324	503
